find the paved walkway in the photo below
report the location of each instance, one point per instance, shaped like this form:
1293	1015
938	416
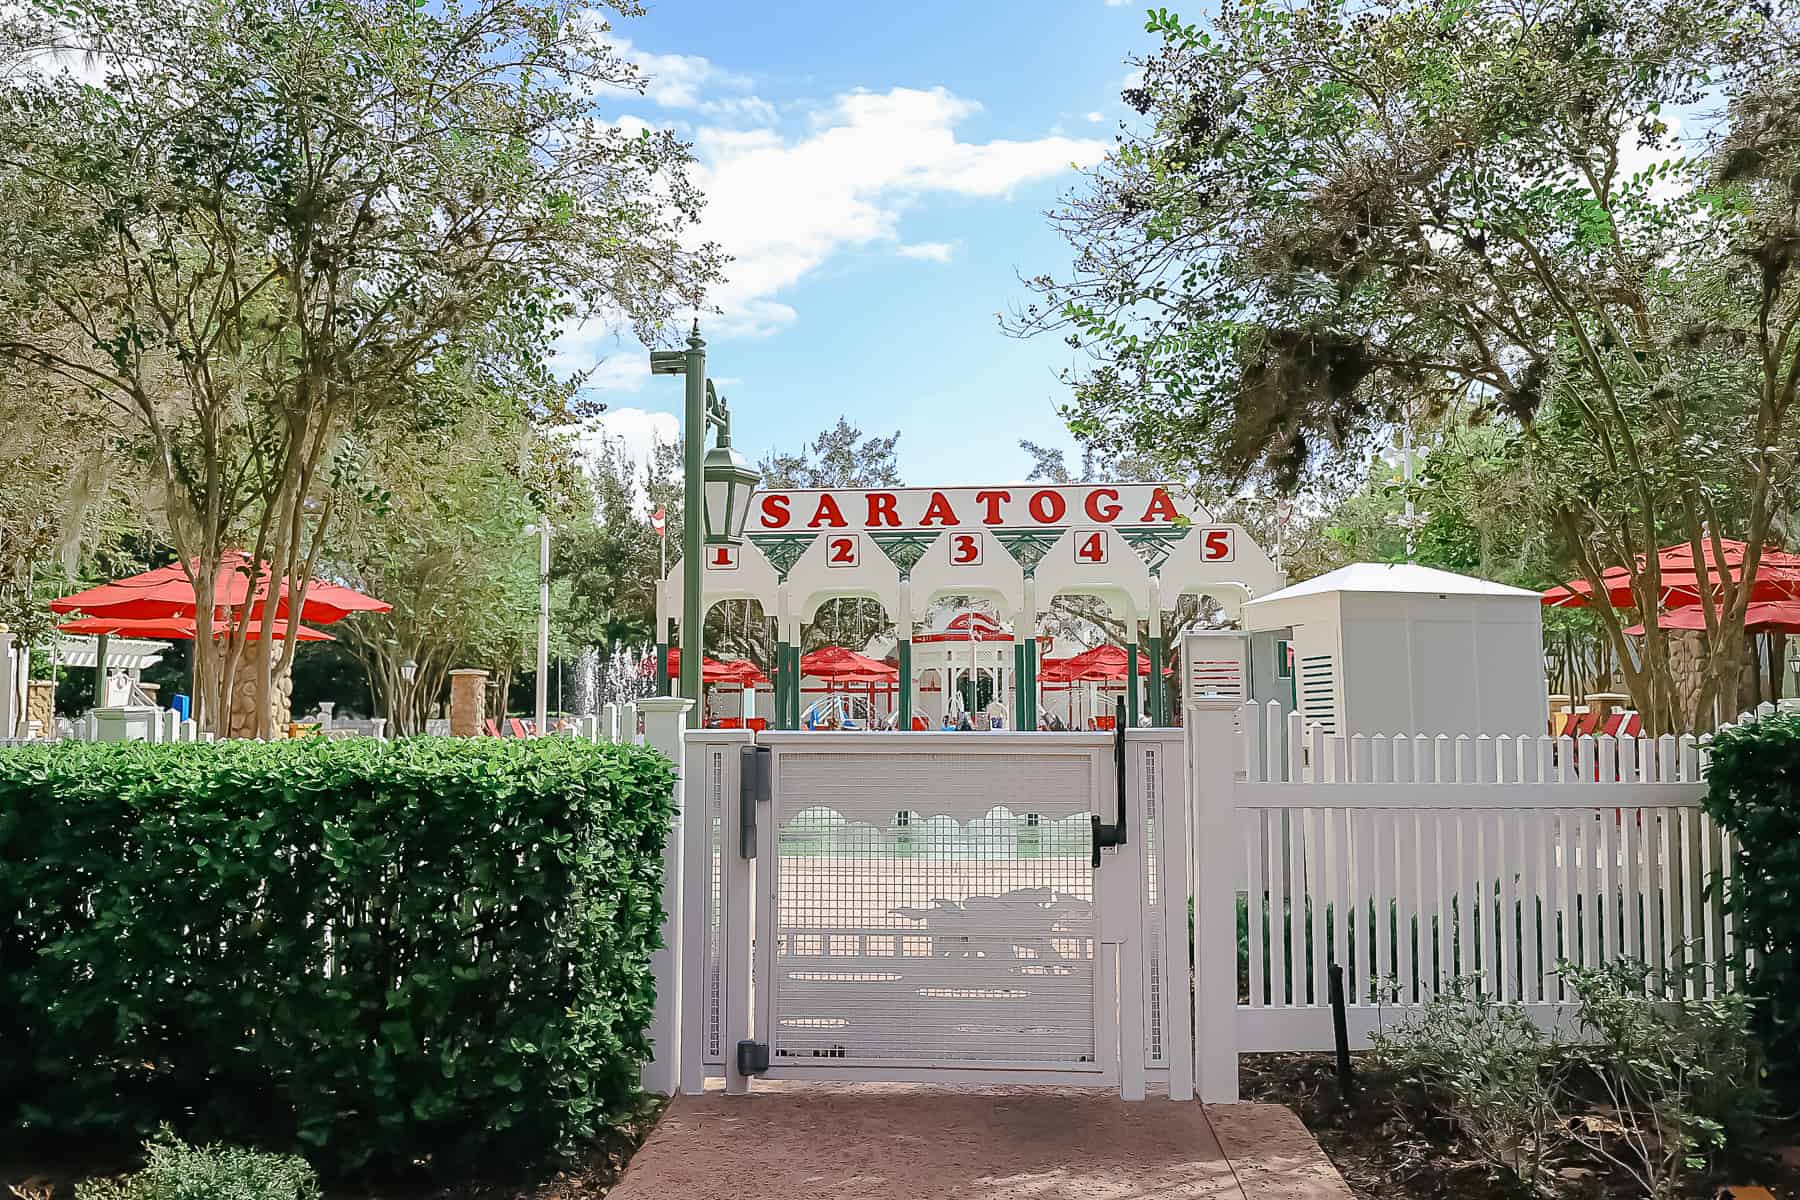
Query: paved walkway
910	1142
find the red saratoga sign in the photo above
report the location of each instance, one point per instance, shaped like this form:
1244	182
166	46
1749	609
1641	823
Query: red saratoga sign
1016	506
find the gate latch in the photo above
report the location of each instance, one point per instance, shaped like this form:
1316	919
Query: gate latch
753	789
752	1057
1106	836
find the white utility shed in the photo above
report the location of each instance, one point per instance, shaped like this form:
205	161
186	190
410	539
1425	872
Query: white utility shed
1397	648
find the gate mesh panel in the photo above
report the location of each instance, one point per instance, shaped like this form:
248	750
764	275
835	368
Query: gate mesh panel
715	1019
1150	773
932	909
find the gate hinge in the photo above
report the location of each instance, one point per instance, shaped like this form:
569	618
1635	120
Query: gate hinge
752	1057
753	789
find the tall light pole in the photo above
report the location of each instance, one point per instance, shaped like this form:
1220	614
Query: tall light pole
716	491
542	529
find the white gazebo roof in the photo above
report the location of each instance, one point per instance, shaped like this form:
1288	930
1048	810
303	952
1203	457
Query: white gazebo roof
1392	578
122	654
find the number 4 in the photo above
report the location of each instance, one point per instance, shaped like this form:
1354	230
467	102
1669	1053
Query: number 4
1091	547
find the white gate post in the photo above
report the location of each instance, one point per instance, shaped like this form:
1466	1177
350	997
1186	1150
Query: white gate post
1211	785
665	719
609	723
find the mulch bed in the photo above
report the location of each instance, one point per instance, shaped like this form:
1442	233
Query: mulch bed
1384	1155
53	1175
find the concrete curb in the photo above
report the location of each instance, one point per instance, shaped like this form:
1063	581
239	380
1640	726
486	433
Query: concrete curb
1273	1155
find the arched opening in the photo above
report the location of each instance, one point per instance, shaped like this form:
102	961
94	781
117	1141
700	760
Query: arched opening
847	673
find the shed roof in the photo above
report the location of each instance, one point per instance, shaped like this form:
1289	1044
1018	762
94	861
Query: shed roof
1392	578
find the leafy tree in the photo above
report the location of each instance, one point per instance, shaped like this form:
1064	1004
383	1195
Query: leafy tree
1341	216
266	225
840	457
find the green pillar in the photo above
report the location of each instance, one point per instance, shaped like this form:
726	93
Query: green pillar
793	670
1030	677
1021	702
906	684
1159	700
1131	682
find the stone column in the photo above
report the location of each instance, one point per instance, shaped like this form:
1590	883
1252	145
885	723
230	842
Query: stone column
40	706
468	702
242	722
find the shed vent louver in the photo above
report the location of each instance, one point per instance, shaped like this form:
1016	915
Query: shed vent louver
1318	691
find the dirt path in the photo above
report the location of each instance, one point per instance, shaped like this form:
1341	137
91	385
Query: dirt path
909	1142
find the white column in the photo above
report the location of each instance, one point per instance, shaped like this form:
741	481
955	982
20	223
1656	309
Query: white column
326	708
665	720
609	723
628	717
1213	815
8	681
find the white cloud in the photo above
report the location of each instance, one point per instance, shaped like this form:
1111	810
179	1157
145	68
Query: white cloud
636	431
689	81
938	252
783	206
1096	118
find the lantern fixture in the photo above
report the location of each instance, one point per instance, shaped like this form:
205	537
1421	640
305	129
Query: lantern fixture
729	483
408	670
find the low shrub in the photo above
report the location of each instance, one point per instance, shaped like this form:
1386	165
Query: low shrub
1655	1089
1669	1086
178	1171
1753	791
1487	1068
429	953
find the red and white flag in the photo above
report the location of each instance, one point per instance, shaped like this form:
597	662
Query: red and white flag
659	522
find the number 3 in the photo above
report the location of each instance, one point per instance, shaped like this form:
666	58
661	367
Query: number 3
965	550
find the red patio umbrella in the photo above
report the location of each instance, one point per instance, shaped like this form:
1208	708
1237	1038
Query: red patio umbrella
744	672
838	664
1777	578
1768	616
180	629
711	669
1102	663
166	592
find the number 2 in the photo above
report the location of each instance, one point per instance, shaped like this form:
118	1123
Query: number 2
840	552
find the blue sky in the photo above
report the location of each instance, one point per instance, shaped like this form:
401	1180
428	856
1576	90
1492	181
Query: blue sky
880	173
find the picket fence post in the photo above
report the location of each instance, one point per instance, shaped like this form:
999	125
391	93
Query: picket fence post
1212	786
665	718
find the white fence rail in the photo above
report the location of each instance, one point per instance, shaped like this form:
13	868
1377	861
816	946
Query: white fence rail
1421	864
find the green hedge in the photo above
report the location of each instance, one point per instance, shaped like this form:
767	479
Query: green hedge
1753	790
429	952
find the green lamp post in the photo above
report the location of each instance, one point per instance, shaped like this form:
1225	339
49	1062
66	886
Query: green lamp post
717	486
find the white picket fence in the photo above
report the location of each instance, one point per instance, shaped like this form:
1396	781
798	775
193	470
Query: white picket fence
1419	864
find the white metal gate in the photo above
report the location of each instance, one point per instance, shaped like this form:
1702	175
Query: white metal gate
929	907
933	905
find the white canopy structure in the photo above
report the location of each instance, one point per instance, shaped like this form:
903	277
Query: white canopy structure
1138	547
